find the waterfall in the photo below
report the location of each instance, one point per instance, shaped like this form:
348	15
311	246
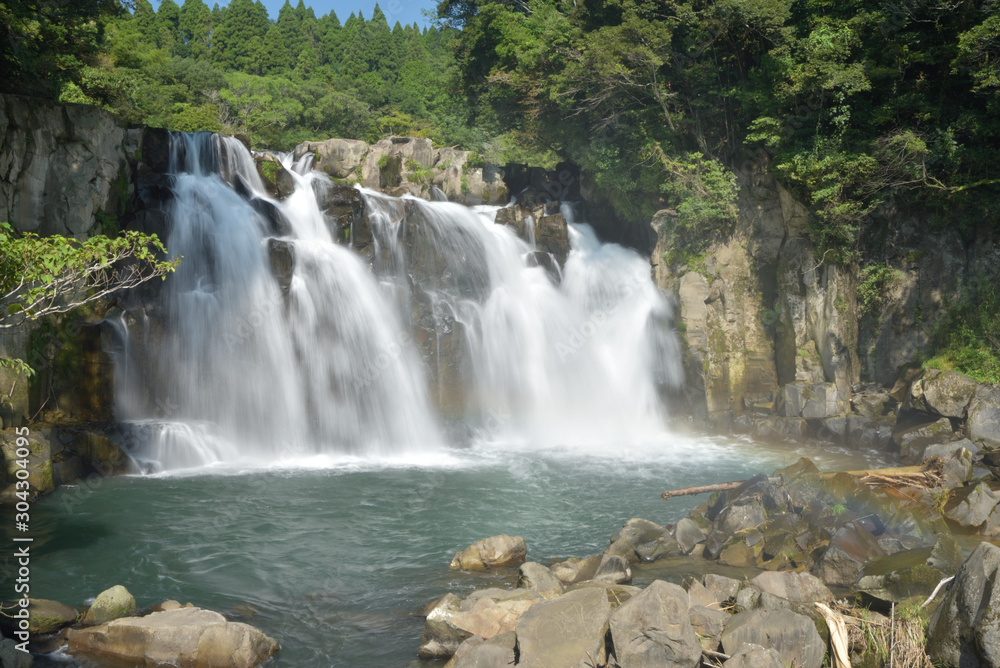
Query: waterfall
452	320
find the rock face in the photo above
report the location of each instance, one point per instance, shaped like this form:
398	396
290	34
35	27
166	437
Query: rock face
184	637
491	552
653	629
109	605
984	417
964	631
337	157
546	640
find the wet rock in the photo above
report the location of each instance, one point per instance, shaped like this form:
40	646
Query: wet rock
653	629
969	507
897	577
48	616
791	635
547	262
607	568
913	440
965	629
441	638
662	548
798	587
12	657
638	531
739	555
491	552
776	428
109	605
754	656
189	636
278	182
491	618
877	434
984	417
552	236
275	221
281	256
539	578
624	549
103	453
708	624
842	562
688	534
946	393
565	632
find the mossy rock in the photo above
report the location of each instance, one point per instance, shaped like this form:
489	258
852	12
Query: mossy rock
109	605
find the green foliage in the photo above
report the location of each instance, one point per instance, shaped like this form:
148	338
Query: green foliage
703	193
967	338
874	283
54	274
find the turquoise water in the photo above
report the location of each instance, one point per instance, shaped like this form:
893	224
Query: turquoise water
333	561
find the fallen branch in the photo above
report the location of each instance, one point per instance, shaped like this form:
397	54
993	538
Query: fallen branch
702	489
838	636
936	590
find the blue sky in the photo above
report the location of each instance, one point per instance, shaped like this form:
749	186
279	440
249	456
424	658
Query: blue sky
404	11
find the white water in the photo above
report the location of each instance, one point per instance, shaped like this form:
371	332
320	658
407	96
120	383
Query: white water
329	371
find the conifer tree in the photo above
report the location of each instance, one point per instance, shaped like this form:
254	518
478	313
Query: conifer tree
195	23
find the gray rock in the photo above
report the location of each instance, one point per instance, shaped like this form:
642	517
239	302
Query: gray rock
495	551
539	578
964	631
49	616
721	587
11	657
188	636
661	548
877	435
793	586
777	428
441	637
823	400
791	635
983	425
754	656
970	506
110	604
688	534
913	440
638	531
870	404
497	652
946	393
566	632
653	630
613	569
708	624
739	518
337	157
849	549
958	461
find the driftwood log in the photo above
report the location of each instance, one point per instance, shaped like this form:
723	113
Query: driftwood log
927	474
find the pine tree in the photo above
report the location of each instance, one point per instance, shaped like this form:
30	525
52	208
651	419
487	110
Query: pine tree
238	40
329	32
168	25
195	25
145	21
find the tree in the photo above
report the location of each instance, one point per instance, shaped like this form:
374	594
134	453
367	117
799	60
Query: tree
41	276
238	40
195	25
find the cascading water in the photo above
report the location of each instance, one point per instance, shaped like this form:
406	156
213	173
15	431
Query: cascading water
251	373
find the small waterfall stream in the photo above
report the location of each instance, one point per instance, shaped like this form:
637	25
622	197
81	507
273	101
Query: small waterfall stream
352	360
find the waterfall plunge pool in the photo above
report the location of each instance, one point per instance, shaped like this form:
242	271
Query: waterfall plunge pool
333	558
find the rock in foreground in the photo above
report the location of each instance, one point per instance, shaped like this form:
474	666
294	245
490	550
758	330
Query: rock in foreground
494	551
186	637
965	630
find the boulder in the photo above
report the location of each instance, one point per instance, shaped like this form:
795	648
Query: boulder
109	605
539	578
793	586
496	652
638	531
720	587
791	635
337	157
278	182
491	552
946	393
441	638
708	624
12	657
736	518
185	637
969	507
653	630
566	632
843	560
899	576
492	618
983	426
812	400
913	440
870	404
688	534
964	630
552	236
39	468
49	616
606	568
776	428
661	548
754	656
